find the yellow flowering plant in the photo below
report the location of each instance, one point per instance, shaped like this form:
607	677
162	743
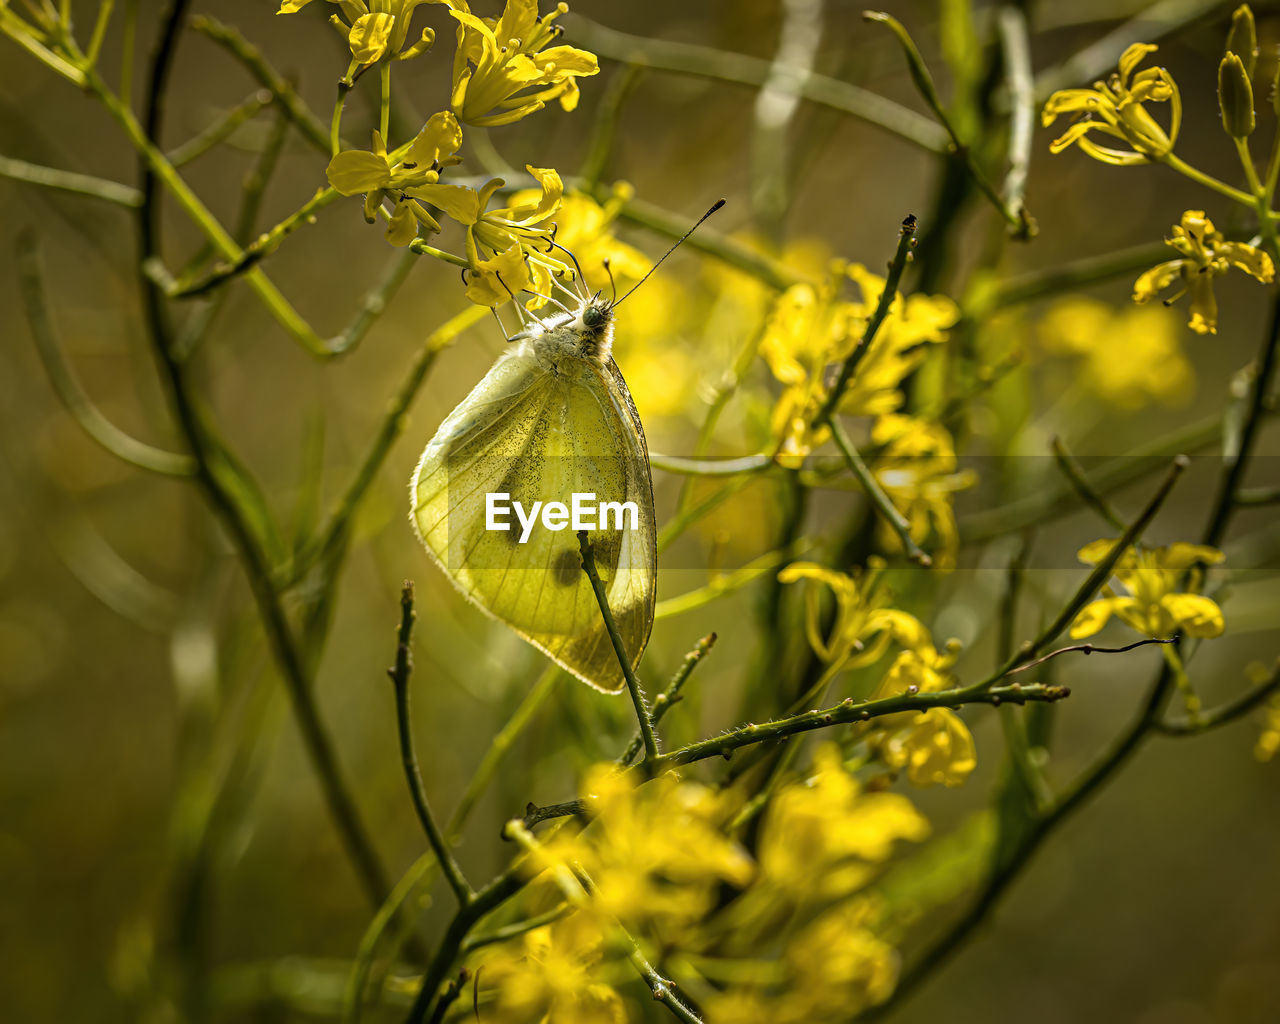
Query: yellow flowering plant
841	460
1203	255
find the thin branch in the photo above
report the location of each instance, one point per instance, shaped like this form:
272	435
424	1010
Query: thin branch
1100	574
901	257
230	38
399	674
535	815
849	711
246	259
711	467
487	899
1070	276
605	130
628	671
70	181
374	304
68	388
880	501
214	469
221	128
511	931
1080	484
708	62
1091	649
1015	41
668	697
1229	712
923	79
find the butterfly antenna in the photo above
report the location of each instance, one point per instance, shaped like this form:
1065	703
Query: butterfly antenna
613	285
576	266
719	203
520	310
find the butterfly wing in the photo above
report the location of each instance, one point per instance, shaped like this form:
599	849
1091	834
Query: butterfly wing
540	436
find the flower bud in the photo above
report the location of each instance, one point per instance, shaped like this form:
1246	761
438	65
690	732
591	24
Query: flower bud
1235	97
1242	40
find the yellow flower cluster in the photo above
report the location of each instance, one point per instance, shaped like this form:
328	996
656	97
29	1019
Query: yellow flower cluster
1203	255
504	70
811	327
934	747
1153	604
374	31
917	469
656	860
1116	108
551	974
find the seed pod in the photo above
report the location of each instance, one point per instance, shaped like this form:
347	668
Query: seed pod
1235	97
1242	40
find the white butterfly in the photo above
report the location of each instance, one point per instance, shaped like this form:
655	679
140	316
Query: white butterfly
552	418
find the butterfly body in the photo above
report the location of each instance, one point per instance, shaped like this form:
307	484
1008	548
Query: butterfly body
551	419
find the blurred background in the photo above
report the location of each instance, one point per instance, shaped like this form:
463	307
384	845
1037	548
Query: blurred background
157	814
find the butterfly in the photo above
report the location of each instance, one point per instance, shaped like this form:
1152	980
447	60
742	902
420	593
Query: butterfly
552	418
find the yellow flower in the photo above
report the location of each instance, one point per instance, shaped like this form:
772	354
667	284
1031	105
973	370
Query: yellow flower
863	626
1152	606
831	970
509	248
917	469
356	170
550	975
901	344
825	838
501	71
936	747
1131	356
373	31
654	853
810	328
1205	254
1115	108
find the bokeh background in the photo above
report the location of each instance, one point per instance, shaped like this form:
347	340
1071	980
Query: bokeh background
155	804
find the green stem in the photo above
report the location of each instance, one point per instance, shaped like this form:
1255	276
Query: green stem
69	389
1080	484
399	674
220	129
311	127
224	501
920	74
1229	712
163	171
1208	181
1016	44
628	671
849	711
901	257
70	181
384	108
880	501
668	697
708	62
266	243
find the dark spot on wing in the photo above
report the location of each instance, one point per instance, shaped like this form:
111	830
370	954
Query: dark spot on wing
567	567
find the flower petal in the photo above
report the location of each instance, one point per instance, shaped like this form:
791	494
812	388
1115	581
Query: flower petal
1195	614
356	170
369	36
